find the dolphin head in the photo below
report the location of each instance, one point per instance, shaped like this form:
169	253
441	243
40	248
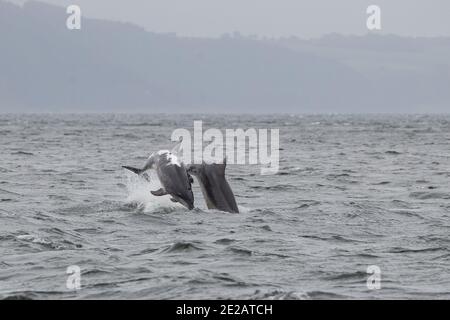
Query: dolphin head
194	169
206	169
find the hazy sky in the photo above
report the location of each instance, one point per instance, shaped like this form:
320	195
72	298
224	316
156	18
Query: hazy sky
303	18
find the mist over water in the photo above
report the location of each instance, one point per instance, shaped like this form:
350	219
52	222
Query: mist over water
352	191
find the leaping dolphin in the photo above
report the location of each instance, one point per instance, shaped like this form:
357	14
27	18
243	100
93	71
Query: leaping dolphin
215	188
173	176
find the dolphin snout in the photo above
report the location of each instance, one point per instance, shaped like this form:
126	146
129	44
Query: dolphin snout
188	203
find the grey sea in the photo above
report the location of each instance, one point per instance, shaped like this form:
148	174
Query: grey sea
353	191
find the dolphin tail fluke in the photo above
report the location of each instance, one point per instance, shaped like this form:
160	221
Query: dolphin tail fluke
135	170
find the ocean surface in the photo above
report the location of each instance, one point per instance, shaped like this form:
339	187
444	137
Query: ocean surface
352	191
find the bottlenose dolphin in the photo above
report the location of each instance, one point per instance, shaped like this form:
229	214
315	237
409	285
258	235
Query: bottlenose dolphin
173	176
214	186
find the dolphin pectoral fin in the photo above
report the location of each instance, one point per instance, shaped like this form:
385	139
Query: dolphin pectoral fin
159	192
135	170
173	200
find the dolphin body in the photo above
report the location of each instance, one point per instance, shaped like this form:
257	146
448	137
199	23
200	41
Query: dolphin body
215	188
173	176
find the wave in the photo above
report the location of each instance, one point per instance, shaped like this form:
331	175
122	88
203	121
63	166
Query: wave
278	187
223	278
382	183
45	242
421	250
40	241
429	195
278	295
407	213
307	203
22	153
357	275
240	251
10	192
393	152
32	295
181	247
224	241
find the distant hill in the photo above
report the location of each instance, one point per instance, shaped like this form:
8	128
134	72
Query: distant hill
117	67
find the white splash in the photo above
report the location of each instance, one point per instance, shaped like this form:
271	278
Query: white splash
139	193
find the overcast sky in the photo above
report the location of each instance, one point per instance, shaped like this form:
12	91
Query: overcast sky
302	18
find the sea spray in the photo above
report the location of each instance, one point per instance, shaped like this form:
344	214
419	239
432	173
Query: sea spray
138	192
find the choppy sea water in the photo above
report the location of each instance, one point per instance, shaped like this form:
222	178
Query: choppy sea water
352	191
